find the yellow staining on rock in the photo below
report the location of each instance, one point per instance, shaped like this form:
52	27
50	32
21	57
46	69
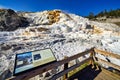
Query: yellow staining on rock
97	30
42	29
26	33
35	32
53	16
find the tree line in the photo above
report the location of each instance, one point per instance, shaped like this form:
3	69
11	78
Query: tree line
105	13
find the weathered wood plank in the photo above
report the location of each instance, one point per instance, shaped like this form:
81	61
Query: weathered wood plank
32	73
107	75
111	73
107	53
69	69
108	64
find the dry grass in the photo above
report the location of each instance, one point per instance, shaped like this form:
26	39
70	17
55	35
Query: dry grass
77	69
117	23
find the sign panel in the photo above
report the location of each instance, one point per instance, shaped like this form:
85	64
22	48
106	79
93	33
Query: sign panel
30	60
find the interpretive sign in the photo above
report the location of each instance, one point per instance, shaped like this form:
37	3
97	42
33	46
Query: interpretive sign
30	60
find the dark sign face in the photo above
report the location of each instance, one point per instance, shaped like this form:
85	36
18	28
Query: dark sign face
30	60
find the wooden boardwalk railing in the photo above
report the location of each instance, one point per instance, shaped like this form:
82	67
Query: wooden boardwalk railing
92	58
107	54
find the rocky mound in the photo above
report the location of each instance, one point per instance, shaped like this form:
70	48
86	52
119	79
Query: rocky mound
9	20
53	16
66	34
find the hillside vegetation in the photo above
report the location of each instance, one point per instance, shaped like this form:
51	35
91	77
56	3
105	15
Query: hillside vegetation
105	13
112	16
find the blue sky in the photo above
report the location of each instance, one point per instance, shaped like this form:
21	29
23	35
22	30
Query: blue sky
80	7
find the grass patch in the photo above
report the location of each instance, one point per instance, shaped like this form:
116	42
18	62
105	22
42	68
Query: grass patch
78	69
117	23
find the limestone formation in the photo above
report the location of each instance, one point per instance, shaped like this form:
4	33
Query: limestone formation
9	20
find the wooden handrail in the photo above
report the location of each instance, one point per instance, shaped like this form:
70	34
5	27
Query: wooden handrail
105	53
70	69
37	71
108	64
32	73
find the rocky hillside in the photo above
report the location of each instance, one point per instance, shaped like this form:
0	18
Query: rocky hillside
9	20
66	34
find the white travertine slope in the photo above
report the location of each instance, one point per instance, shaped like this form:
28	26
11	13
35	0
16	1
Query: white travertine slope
65	34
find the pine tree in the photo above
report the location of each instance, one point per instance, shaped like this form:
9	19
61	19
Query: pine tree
91	15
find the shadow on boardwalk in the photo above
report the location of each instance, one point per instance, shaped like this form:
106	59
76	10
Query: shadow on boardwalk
87	73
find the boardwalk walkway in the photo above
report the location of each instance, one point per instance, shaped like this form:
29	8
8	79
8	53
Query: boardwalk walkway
90	73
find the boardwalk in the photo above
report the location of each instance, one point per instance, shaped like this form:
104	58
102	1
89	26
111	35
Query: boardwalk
90	73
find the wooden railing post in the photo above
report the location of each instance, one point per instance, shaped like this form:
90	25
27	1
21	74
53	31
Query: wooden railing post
92	60
65	68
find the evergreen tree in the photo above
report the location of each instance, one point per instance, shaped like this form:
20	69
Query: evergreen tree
91	15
